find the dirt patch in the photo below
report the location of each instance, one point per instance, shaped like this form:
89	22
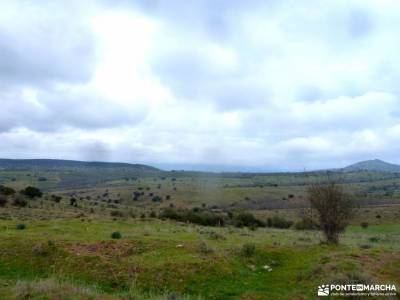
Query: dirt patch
107	249
385	266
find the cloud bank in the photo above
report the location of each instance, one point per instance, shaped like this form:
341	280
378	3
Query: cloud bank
259	85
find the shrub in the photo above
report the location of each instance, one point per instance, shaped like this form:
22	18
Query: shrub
253	227
247	219
116	235
306	223
72	202
334	208
20	201
216	236
201	218
56	198
116	213
279	222
374	239
152	215
364	224
7	191
248	250
169	213
32	192
3	200
42	249
20	226
156	199
204	248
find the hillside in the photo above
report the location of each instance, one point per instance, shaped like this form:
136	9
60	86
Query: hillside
373	165
58	164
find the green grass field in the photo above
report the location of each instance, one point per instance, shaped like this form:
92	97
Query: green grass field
156	257
66	252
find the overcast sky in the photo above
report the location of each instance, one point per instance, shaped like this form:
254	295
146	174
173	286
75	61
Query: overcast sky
244	85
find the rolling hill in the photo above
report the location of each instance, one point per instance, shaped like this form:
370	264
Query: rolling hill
373	165
58	164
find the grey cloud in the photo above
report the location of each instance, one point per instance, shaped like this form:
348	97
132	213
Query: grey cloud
43	45
295	74
203	14
193	77
54	110
186	72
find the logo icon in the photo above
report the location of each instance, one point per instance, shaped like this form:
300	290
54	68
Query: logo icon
323	290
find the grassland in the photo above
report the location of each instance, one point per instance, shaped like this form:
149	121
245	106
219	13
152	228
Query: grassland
66	251
159	257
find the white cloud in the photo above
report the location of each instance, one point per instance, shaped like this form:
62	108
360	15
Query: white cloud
274	85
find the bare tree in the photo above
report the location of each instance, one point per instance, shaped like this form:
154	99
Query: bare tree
334	208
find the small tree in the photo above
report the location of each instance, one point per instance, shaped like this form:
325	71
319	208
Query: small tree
334	208
32	192
7	191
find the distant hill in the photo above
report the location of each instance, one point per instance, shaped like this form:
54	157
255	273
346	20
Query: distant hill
373	165
57	164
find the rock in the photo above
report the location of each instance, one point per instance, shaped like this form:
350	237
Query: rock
267	268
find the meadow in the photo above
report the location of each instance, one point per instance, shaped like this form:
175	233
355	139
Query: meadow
112	243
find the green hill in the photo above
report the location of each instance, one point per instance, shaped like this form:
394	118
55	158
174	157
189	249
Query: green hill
373	165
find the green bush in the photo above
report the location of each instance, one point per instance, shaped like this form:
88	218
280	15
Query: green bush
374	239
32	192
156	199
279	222
204	248
201	218
20	226
116	235
306	223
248	249
56	198
364	224
247	219
7	191
116	213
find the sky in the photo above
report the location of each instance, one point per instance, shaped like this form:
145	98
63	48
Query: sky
271	85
